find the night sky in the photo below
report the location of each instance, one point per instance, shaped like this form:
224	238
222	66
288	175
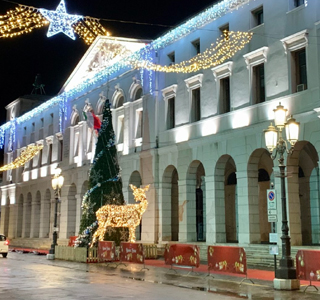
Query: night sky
23	57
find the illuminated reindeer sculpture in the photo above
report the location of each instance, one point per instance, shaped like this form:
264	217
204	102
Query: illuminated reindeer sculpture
122	215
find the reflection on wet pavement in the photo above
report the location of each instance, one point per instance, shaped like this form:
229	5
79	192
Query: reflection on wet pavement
62	274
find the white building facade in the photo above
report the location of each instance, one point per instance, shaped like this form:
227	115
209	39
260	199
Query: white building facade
196	138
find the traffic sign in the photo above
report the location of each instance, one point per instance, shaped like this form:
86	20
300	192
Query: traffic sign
272	218
274	249
271	198
273	237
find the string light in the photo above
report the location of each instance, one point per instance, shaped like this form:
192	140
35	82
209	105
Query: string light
216	11
22	19
122	215
25	156
88	29
230	43
60	21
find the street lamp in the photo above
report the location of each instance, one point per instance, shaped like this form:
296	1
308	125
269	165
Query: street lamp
285	277
57	183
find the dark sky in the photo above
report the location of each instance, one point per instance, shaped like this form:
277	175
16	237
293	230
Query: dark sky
23	57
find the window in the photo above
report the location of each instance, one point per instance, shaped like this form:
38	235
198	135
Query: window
295	47
195	47
50	131
258	84
255	61
169	96
298	3
222	76
139	122
225	95
172	58
32	136
42	122
120	102
60	148
195	106
40	157
257	17
50	154
299	70
138	94
225	30
171	113
194	84
120	129
24	138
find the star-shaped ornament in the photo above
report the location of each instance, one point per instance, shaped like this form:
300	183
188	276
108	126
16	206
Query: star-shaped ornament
60	21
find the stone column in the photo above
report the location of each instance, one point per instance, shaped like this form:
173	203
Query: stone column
45	218
293	205
243	208
35	219
149	232
26	219
210	217
165	212
187	211
12	230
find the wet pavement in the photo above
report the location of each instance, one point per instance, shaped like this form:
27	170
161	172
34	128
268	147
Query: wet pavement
33	277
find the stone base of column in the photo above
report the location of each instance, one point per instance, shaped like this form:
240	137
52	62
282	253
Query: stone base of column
286	284
50	256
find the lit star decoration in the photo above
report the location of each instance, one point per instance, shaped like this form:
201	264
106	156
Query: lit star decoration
60	21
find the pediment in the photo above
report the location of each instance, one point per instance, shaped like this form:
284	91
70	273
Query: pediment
104	52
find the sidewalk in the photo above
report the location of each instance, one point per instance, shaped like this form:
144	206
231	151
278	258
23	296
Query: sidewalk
253	274
221	283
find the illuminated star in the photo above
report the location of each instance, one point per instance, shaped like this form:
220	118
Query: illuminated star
60	21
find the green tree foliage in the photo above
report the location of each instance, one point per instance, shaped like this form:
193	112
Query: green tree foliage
105	185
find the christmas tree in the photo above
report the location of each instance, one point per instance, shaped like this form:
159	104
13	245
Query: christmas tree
105	185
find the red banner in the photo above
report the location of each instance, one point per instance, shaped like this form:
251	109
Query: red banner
227	259
72	241
308	265
106	251
131	252
182	255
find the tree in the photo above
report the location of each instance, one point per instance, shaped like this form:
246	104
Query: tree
105	185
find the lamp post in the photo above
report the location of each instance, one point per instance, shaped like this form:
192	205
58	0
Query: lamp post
57	183
285	276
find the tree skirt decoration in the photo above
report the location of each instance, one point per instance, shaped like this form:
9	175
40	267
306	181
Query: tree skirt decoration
25	156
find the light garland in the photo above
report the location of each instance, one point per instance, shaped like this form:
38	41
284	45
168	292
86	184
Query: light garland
25	156
24	19
88	29
122	215
229	44
216	11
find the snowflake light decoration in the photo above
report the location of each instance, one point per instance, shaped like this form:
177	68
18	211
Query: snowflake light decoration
60	21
